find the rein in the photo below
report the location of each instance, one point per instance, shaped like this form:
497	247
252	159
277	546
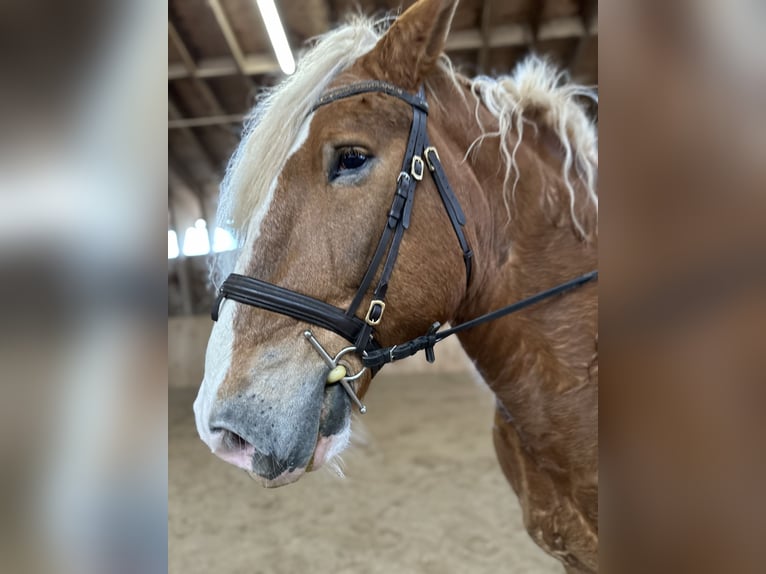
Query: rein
378	358
419	155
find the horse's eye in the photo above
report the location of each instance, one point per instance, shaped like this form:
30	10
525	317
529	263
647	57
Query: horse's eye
350	159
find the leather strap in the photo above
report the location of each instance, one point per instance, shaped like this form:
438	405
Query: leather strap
252	291
368	86
376	359
451	205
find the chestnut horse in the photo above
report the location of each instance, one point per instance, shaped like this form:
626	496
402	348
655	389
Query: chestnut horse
308	195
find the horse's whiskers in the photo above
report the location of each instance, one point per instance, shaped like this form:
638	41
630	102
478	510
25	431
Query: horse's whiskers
336	466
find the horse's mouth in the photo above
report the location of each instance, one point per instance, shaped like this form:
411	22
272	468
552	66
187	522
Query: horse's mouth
283	479
324	452
332	438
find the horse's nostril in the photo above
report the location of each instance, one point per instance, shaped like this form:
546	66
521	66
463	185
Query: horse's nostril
239	441
231	440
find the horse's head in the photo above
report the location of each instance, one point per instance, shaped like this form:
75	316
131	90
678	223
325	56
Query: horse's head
312	203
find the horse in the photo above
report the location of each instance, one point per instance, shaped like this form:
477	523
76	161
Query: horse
510	209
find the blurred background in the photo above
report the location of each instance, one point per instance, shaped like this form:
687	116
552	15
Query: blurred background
417	497
83	389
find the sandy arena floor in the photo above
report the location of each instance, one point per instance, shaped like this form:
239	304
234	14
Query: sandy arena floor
422	494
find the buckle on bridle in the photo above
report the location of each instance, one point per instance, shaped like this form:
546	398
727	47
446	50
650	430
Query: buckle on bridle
375	304
428	160
417	169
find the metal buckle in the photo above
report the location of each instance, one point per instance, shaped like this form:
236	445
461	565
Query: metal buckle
417	173
402	174
428	160
368	319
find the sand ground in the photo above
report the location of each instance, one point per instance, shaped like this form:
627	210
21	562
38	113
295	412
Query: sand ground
422	494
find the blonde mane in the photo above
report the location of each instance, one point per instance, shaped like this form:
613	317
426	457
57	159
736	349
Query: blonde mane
536	89
275	123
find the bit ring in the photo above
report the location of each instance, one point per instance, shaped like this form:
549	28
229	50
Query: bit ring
355	376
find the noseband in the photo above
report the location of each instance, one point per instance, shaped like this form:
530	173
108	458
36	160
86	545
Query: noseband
419	155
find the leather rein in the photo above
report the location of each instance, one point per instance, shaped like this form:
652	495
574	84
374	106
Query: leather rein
419	156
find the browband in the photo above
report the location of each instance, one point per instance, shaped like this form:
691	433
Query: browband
367	86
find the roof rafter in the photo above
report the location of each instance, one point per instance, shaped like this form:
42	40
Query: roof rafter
497	37
194	143
589	18
191	70
228	33
483	59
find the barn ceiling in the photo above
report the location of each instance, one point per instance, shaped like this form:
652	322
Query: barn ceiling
219	57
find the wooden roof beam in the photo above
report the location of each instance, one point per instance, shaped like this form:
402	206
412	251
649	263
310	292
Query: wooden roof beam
190	67
536	19
185	123
254	65
561	28
483	60
228	33
589	19
195	144
516	34
513	35
589	15
498	37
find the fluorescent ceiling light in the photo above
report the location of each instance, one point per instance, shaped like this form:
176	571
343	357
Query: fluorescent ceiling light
196	241
223	241
172	244
277	35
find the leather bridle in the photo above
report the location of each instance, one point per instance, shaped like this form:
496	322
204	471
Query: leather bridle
419	156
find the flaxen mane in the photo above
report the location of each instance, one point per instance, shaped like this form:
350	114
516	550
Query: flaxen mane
537	89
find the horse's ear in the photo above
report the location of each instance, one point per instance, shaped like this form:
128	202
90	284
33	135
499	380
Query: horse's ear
410	49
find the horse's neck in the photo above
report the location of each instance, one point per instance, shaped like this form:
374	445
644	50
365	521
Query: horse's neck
549	346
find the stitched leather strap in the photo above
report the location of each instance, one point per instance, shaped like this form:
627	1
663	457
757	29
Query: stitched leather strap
252	291
368	86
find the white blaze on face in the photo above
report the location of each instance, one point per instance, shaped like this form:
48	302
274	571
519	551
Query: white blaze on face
254	231
217	361
221	344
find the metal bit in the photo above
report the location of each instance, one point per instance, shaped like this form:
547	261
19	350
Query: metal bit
332	363
352	395
319	349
